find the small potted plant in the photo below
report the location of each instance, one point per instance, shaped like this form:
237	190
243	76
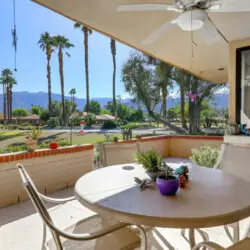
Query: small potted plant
32	137
167	183
151	161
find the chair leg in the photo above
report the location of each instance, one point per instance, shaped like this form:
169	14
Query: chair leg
143	236
191	238
236	232
44	247
235	237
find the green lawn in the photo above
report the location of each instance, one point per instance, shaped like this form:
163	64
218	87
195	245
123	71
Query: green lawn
18	137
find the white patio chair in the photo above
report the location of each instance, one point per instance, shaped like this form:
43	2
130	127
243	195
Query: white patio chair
122	237
234	159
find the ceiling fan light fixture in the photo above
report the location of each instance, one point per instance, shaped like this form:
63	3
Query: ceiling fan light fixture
173	8
216	6
192	20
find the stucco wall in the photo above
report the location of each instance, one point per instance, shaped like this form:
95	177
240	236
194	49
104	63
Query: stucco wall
49	173
180	146
173	146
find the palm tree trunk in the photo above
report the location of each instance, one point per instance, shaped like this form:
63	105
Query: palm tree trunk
86	51
183	119
8	104
49	79
60	57
4	103
73	98
11	104
113	51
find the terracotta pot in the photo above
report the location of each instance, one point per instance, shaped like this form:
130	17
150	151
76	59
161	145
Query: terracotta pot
53	145
31	144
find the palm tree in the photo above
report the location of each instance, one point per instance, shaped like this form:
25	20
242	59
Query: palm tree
72	92
86	31
8	80
45	43
113	52
10	94
62	43
164	81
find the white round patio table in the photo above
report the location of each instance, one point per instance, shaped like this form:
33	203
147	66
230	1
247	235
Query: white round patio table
212	198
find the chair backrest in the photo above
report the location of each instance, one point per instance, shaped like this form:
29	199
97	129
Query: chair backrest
236	160
37	201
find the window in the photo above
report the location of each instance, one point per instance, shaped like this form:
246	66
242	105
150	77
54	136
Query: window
243	86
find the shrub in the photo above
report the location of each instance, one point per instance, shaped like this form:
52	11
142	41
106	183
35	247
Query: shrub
205	156
44	115
12	126
53	122
89	119
63	143
12	149
109	125
76	119
150	160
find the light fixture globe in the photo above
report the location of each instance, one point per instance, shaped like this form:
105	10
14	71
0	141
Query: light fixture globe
192	20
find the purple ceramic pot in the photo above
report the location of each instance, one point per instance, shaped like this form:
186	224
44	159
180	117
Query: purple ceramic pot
167	187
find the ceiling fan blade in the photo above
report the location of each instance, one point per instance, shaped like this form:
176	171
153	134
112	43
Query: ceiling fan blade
147	7
209	33
159	32
230	6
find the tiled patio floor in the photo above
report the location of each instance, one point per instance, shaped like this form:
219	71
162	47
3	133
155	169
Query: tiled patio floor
21	227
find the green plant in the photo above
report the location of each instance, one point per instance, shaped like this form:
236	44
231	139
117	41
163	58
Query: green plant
35	132
109	125
44	116
75	120
168	172
13	148
53	122
89	119
205	156
150	160
64	143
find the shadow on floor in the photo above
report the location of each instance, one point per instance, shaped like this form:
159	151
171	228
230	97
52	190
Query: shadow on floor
24	209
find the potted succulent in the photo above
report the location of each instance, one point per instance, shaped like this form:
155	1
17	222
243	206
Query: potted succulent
167	183
32	137
151	161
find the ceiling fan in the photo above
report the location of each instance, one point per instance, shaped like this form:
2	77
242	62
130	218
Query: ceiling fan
193	17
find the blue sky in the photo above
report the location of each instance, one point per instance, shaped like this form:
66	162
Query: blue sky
31	21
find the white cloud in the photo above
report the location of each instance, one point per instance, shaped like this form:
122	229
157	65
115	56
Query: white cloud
126	96
222	91
174	94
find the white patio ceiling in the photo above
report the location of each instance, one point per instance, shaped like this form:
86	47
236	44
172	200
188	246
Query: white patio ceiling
174	46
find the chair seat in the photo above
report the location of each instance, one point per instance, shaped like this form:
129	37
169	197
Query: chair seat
123	239
242	245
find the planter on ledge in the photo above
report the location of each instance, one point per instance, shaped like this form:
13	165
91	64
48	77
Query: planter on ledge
31	144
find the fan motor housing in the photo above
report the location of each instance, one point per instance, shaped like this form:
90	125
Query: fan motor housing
192	20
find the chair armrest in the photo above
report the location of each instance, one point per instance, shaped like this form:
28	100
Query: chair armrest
55	200
208	244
